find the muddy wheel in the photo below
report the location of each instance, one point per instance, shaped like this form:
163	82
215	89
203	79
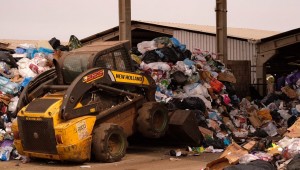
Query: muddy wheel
109	143
152	120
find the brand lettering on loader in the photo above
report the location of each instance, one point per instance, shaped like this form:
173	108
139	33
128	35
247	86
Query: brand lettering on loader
94	76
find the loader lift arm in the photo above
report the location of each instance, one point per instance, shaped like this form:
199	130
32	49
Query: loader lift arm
102	79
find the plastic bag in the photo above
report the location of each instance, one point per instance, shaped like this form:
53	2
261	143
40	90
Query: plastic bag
3	81
159	66
5	153
150	57
270	129
10	88
179	77
216	85
284	114
193	89
13	104
247	158
176	43
146	46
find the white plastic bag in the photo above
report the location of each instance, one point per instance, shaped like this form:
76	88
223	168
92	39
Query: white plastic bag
159	66
13	104
247	158
146	46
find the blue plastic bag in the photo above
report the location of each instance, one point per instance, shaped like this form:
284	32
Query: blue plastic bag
177	44
25	82
19	50
31	52
45	50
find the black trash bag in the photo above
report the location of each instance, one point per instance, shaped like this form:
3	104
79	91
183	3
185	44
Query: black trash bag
270	98
2	123
294	164
263	144
254	165
8	59
134	50
260	133
54	43
150	57
179	78
230	89
216	143
276	116
175	103
62	48
172	86
169	55
193	103
291	121
187	54
200	117
180	55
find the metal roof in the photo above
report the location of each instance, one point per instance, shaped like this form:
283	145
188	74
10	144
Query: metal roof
243	33
99	46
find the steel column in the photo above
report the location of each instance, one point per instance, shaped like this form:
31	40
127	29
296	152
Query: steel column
221	29
125	20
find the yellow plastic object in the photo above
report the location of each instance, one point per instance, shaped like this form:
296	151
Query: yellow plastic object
264	114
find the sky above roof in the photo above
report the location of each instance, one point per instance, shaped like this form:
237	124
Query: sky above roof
45	19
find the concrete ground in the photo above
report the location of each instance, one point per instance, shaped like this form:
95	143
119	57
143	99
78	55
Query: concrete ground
137	158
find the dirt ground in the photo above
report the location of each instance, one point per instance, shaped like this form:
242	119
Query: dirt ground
137	158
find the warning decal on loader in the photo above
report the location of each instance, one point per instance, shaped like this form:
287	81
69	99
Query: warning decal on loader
94	76
81	130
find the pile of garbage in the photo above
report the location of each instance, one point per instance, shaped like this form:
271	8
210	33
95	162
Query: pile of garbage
17	68
253	132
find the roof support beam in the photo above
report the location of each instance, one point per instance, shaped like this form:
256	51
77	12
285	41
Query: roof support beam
278	43
221	29
125	20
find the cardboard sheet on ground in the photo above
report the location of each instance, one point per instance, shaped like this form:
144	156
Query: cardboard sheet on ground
218	164
233	153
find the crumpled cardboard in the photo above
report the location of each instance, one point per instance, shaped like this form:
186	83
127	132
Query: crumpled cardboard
226	76
250	145
206	132
233	153
255	121
294	130
218	164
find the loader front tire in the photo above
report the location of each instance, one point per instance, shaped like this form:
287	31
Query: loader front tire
109	143
152	120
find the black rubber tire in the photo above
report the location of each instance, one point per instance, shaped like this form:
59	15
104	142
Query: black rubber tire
109	143
152	120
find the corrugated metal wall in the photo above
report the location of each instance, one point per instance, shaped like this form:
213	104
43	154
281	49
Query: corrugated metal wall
237	49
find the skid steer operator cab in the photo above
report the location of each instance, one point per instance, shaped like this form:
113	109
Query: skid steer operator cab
70	65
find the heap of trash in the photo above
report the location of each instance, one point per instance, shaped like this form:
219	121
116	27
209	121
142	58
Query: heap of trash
253	133
17	68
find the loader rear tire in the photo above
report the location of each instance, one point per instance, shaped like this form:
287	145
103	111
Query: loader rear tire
109	143
152	120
